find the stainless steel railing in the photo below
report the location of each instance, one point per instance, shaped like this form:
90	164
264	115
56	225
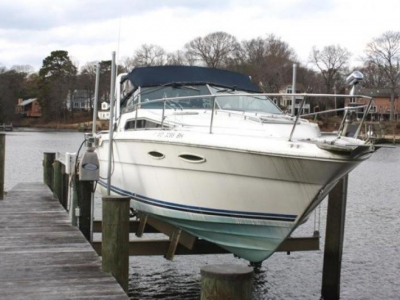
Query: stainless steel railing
295	118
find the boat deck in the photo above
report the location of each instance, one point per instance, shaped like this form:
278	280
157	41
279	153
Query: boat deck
42	256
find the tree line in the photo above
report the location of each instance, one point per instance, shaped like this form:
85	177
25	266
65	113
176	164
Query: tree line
268	60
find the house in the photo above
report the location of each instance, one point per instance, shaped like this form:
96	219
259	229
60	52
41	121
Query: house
80	100
104	113
380	107
29	108
285	102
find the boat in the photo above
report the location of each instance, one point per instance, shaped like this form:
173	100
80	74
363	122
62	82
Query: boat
204	150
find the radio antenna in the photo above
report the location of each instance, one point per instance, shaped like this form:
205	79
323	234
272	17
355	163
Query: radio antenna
119	41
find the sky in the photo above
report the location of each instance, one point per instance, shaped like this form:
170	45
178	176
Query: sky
91	29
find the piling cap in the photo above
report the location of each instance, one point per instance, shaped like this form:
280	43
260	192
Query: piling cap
227	271
116	198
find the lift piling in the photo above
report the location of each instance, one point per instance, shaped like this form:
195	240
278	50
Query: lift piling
2	163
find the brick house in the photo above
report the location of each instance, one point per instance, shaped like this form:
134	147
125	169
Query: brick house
380	109
29	108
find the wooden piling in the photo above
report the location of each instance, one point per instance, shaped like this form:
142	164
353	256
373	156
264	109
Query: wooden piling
48	160
57	181
226	281
334	241
65	188
2	163
173	245
74	201
82	198
115	238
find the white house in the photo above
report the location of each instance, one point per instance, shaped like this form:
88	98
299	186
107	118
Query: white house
285	102
79	100
104	113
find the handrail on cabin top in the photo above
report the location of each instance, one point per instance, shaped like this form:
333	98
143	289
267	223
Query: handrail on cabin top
138	105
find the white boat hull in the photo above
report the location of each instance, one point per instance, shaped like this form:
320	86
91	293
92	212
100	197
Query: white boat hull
247	203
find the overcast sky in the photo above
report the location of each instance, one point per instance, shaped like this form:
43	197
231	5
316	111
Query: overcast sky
89	29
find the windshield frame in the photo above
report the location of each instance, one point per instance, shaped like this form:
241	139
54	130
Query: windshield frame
239	93
206	94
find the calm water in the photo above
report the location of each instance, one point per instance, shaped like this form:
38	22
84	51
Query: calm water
371	258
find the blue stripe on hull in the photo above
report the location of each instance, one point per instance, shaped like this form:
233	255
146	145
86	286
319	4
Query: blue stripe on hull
254	240
202	210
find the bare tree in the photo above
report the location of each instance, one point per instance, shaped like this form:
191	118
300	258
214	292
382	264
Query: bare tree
86	81
268	60
127	63
384	53
374	77
28	69
213	50
149	55
332	62
176	58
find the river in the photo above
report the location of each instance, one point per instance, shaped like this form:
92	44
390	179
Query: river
371	255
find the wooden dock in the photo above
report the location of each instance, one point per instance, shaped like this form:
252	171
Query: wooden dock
42	256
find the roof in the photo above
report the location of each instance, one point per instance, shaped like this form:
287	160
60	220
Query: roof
385	93
299	87
169	75
26	102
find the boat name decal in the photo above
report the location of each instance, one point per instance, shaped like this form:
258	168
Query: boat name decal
170	135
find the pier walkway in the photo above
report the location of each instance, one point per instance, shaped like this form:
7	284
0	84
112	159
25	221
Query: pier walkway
42	256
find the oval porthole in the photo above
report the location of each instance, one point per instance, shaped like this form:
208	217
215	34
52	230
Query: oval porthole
156	155
192	158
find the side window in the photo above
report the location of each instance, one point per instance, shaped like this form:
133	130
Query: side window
141	124
130	125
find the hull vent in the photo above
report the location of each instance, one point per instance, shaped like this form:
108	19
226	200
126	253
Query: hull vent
156	155
192	158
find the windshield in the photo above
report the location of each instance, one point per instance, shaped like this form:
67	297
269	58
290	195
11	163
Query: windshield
155	93
249	102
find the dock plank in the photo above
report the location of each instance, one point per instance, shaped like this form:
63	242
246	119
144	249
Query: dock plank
42	256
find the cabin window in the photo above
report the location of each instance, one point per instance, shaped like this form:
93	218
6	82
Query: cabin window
141	124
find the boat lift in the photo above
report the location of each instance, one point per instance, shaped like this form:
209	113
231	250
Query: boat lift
183	243
177	237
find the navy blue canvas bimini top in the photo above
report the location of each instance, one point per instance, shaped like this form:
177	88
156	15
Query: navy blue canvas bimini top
169	75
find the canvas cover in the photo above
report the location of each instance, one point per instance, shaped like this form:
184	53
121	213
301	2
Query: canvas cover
168	75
